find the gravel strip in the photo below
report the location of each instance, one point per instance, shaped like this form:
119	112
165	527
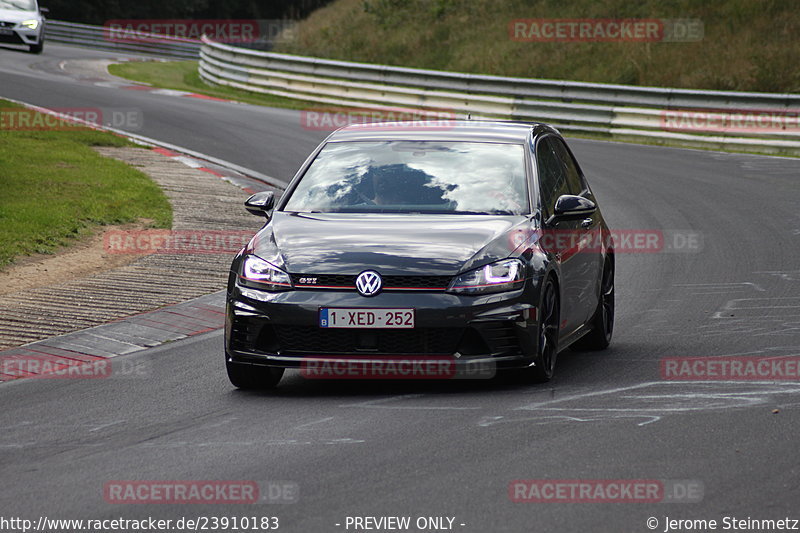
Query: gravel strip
201	202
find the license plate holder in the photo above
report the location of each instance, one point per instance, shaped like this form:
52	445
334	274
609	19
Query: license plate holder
366	318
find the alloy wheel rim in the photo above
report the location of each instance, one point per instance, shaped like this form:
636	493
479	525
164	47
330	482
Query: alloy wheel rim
608	301
547	340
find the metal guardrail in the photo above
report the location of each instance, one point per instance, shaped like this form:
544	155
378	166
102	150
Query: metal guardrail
101	38
761	122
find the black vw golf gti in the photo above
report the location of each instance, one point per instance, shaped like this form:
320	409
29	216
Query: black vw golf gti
479	242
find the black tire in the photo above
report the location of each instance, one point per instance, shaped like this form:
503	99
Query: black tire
36	48
549	327
252	377
602	322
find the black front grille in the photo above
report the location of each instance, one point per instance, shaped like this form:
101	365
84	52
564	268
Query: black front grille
7	24
13	38
251	333
389	282
312	340
416	282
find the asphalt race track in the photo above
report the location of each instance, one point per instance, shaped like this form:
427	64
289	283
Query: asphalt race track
451	449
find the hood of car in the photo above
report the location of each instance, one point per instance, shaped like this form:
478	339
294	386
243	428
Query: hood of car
337	243
15	15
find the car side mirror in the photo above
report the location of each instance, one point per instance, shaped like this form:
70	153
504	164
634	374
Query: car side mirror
44	10
260	203
571	206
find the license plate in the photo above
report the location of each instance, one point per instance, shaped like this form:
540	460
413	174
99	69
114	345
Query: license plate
366	318
6	31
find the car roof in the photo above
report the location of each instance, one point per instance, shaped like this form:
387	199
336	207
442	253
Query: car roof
443	129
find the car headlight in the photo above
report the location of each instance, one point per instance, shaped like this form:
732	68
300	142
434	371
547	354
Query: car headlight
30	24
261	274
501	276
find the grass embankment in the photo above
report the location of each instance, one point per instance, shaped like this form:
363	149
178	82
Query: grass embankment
183	76
55	190
747	45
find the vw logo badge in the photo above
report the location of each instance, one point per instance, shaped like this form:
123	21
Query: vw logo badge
369	283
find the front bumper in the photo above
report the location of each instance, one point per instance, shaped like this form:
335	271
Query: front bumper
19	34
282	329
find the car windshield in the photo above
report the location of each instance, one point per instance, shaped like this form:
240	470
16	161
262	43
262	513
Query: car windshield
414	177
22	5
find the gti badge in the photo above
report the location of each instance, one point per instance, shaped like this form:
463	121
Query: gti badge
369	283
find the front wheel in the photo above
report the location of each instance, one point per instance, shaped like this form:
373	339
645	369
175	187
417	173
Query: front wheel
36	48
602	322
545	360
253	377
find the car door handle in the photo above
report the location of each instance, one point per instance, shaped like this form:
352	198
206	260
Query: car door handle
587	222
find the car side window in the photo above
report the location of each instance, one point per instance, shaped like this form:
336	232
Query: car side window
575	182
552	175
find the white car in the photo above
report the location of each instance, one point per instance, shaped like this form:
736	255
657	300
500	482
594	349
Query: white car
22	22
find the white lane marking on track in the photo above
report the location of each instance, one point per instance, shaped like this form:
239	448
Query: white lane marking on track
787	351
34	444
92	426
758	305
268	442
187	444
378	404
787	275
653	405
188	161
548	419
751	325
170	92
104	426
722	286
303	426
218	424
109	84
539	405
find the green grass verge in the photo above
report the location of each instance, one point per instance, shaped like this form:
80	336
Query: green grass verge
183	76
57	190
